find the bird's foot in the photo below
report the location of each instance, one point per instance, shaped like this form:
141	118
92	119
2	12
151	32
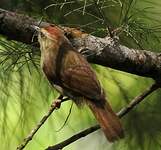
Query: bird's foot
56	103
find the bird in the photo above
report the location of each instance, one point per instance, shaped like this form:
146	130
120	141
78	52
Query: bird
71	75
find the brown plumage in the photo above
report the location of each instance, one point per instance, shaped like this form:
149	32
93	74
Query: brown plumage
70	73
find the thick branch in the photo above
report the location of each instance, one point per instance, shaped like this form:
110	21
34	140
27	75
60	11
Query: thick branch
121	113
103	51
16	26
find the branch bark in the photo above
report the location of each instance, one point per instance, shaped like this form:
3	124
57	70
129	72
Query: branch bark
103	51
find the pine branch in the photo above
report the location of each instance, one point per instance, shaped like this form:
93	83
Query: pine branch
103	51
121	113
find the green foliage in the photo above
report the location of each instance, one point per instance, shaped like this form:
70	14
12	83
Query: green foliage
15	55
26	95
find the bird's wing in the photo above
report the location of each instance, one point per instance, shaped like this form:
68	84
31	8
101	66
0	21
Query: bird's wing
81	79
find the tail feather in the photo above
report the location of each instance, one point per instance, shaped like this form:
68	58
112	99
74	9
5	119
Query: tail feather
107	119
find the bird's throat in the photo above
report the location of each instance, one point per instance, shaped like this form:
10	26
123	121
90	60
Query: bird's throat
48	59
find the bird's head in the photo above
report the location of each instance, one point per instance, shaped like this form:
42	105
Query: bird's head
49	36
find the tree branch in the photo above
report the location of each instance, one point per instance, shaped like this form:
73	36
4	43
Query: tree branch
138	99
121	113
56	104
103	51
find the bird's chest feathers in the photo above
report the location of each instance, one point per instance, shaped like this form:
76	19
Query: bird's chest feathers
48	58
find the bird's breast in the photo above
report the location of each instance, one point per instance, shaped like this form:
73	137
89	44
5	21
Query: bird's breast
48	66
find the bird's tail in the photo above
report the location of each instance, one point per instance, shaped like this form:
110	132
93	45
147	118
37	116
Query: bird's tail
108	120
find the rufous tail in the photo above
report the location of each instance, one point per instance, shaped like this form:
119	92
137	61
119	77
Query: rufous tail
108	120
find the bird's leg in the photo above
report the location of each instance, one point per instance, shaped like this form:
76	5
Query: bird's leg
57	103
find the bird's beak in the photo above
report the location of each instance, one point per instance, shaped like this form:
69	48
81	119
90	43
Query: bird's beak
36	28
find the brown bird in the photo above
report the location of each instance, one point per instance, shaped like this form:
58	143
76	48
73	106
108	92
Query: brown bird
70	73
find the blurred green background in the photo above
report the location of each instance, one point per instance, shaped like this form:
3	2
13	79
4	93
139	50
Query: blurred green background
25	95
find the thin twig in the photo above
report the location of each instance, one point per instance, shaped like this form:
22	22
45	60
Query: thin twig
74	138
51	5
121	113
105	19
56	104
70	110
138	99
